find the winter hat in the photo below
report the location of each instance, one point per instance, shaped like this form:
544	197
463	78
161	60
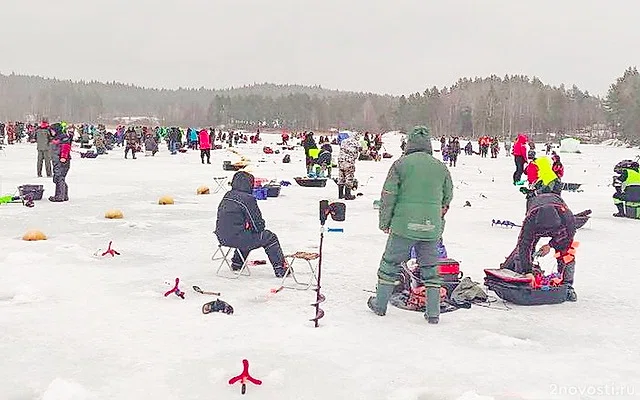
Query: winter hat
418	140
57	128
531	155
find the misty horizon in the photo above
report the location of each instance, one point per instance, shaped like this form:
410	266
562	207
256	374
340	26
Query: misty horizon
373	46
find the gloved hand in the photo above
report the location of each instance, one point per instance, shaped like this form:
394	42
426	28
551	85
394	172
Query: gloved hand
525	190
544	250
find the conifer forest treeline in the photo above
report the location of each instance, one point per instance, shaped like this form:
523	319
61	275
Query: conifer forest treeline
495	106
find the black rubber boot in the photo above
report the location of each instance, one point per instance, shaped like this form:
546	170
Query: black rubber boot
432	313
571	294
347	193
341	191
620	212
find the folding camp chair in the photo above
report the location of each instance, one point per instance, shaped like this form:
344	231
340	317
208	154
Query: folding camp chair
300	284
224	254
221	184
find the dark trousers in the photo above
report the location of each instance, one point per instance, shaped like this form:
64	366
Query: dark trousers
453	159
254	240
60	171
44	156
133	151
398	250
631	193
205	153
517	175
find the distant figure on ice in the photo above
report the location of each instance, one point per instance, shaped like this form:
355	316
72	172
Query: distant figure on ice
547	216
349	152
43	140
324	159
132	142
205	145
99	140
240	225
627	185
531	170
468	149
495	147
308	144
548	148
454	151
557	166
61	157
414	200
150	145
520	158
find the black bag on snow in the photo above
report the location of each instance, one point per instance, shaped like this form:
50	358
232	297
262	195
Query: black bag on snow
516	288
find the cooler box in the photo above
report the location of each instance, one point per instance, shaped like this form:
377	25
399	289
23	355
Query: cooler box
449	271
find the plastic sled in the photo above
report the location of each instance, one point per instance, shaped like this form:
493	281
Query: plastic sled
516	288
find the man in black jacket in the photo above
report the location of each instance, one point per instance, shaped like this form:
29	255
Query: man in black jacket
240	225
547	216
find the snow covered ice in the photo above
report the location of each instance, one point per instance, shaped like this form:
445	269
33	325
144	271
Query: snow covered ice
77	326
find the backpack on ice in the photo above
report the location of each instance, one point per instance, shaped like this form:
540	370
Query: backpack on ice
410	294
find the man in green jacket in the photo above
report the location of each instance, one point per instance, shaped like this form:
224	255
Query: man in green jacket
415	197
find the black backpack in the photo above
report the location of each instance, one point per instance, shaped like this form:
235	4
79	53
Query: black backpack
286	159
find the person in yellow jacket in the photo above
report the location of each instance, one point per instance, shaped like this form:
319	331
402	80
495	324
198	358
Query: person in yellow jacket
546	181
627	185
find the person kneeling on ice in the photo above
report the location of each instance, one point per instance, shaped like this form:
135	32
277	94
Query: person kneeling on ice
547	216
240	225
415	198
627	185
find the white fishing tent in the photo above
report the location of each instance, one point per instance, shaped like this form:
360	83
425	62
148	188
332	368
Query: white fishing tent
570	145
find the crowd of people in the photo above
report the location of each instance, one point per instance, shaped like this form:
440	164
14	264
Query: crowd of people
414	200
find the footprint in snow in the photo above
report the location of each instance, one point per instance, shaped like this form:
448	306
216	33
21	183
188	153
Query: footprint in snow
68	390
137	225
491	339
423	393
22	295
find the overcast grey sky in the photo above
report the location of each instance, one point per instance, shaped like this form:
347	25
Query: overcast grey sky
386	46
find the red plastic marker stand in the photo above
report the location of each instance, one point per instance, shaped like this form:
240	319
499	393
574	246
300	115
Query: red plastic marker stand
175	290
244	377
110	251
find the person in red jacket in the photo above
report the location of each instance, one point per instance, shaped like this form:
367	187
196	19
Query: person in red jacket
532	169
61	158
557	166
520	157
204	142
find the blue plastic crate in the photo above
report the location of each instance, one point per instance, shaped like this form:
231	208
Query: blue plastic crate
260	193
